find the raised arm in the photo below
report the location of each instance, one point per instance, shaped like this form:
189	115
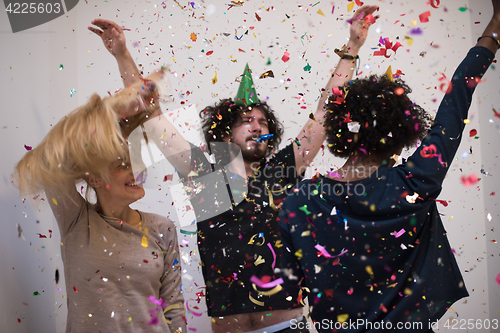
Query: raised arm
114	40
312	135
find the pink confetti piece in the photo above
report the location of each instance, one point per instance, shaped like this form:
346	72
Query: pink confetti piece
28	147
497	280
328	255
333	174
197	314
469	180
399	233
261	284
274	254
286	56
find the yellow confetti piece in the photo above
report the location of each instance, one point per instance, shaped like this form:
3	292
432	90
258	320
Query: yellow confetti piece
466	121
350	6
259	260
413	22
54	201
299	254
388	72
369	270
373	207
342	317
408	291
409	40
214	80
144	241
320	12
255	301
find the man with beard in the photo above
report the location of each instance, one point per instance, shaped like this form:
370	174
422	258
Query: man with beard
237	204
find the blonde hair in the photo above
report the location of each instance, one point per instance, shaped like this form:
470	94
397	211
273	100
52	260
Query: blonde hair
85	142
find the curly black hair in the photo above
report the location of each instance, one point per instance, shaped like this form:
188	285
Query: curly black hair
218	119
388	120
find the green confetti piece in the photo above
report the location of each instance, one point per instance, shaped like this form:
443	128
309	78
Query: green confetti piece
304	209
462	9
61	67
36	293
307	68
186	232
268	61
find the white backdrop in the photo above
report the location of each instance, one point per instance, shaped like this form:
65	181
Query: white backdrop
41	66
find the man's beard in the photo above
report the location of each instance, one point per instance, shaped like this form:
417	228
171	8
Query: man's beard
254	154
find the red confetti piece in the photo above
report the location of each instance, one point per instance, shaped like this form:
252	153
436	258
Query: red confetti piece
472	133
286	57
168	178
388	46
359	3
209	52
435	3
369	19
41	236
74	288
424	17
257	17
445	86
442	202
428	151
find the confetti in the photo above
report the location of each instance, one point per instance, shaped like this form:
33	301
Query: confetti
399	233
304	209
424	17
320	12
72	92
257	17
61	67
497	280
264	285
36	293
193	37
285	57
269	73
28	147
469	180
214	80
54	201
472	133
342	317
435	3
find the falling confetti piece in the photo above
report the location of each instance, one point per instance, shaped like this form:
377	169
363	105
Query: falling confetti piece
342	317
54	201
435	3
28	147
285	57
36	293
307	68
399	233
462	9
268	285
269	73
209	53
497	280
257	17
214	80
304	209
61	67
193	37
469	180
424	17
472	132
350	6
57	276
320	12
72	92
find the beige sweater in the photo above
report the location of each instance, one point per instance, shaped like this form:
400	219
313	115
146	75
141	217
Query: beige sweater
113	270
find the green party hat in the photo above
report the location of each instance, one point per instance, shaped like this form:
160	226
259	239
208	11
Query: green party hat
246	92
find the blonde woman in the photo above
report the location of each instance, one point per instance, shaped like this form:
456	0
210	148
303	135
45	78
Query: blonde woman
121	265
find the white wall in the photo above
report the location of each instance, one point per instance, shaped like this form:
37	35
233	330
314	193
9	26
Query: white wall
36	94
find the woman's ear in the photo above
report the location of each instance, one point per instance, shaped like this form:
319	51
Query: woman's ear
93	180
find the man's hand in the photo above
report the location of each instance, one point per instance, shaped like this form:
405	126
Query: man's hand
112	36
360	23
